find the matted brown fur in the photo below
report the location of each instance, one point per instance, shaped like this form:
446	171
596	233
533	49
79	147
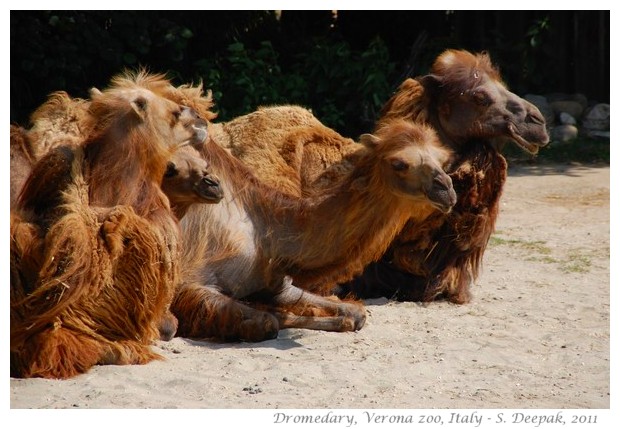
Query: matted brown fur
107	264
443	255
64	121
23	157
286	146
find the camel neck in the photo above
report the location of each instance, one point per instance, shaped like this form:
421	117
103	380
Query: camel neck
128	185
353	220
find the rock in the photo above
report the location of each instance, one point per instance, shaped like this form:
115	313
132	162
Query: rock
557	96
543	105
581	99
560	96
596	133
573	108
567	119
597	117
564	133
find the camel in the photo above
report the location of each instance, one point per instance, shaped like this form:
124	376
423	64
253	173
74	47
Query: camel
94	241
63	121
215	311
464	100
187	180
253	244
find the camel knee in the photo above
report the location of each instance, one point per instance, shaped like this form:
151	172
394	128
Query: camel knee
112	231
168	326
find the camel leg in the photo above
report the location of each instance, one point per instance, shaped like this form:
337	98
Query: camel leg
204	312
453	282
317	323
338	315
56	353
167	326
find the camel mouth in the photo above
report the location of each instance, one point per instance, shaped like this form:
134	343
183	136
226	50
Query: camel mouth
209	189
529	147
443	200
443	208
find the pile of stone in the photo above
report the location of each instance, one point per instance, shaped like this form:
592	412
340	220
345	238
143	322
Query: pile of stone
571	115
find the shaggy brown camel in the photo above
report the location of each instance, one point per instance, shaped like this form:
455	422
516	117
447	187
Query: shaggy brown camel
63	121
246	247
187	180
93	238
465	101
474	114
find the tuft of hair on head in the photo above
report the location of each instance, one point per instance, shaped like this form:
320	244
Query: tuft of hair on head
460	70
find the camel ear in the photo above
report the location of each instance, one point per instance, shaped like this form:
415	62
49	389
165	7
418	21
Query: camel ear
139	106
94	92
369	140
360	184
430	82
201	136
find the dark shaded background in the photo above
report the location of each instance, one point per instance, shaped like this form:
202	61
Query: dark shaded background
343	65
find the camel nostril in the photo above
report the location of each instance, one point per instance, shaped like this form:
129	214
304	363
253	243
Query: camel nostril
442	183
210	182
535	118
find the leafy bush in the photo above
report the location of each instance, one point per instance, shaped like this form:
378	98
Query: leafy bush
344	88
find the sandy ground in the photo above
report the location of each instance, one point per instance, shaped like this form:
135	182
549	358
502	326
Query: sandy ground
536	335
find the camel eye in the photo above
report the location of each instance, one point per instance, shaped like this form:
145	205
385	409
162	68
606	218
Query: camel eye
399	165
481	99
171	170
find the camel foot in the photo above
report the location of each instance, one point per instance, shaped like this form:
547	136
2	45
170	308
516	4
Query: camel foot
356	313
168	327
261	327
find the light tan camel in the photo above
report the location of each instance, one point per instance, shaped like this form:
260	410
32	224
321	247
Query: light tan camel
248	247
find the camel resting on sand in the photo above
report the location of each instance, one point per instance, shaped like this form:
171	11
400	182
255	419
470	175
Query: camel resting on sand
465	101
241	257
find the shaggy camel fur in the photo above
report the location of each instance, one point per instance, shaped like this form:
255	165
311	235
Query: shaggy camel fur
93	239
60	121
247	247
187	180
23	157
63	121
464	100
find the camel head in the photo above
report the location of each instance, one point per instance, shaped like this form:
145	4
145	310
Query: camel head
190	123
141	88
471	101
410	160
188	179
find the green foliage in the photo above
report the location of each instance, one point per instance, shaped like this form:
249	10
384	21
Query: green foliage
75	50
344	83
244	79
343	87
342	66
535	52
